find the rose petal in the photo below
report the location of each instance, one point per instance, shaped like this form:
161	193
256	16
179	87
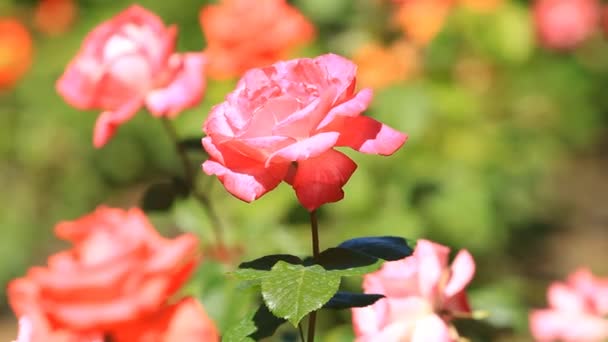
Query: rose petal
244	177
185	91
352	107
431	328
248	183
78	83
319	180
367	320
303	122
367	135
340	71
462	271
108	122
305	149
551	325
432	259
564	298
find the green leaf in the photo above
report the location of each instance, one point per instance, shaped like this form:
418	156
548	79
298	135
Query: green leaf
240	332
293	291
249	274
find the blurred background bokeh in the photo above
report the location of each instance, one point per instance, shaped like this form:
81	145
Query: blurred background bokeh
507	153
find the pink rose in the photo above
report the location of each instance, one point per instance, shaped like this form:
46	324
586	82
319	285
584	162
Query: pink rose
282	122
563	24
127	62
422	292
577	310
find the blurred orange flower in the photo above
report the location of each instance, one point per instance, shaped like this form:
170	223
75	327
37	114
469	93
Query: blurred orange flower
422	20
119	270
380	66
482	5
15	51
54	17
243	34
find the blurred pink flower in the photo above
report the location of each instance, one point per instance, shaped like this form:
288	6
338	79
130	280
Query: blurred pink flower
283	121
127	62
563	24
423	293
577	310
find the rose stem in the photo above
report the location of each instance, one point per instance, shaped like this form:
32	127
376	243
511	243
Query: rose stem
314	227
190	179
301	332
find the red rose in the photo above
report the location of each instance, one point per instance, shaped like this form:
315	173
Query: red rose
127	62
282	123
119	270
244	34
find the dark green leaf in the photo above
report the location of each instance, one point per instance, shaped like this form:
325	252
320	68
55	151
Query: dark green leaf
266	323
388	248
345	300
293	291
266	262
342	259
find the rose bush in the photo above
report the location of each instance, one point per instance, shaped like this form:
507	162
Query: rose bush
422	294
118	271
282	122
577	310
127	62
245	34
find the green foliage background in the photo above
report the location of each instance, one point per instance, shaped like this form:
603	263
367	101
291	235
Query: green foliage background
478	172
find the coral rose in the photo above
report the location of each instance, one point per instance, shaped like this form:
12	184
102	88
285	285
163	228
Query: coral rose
185	321
127	62
282	122
564	24
15	51
577	310
245	34
118	270
422	294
